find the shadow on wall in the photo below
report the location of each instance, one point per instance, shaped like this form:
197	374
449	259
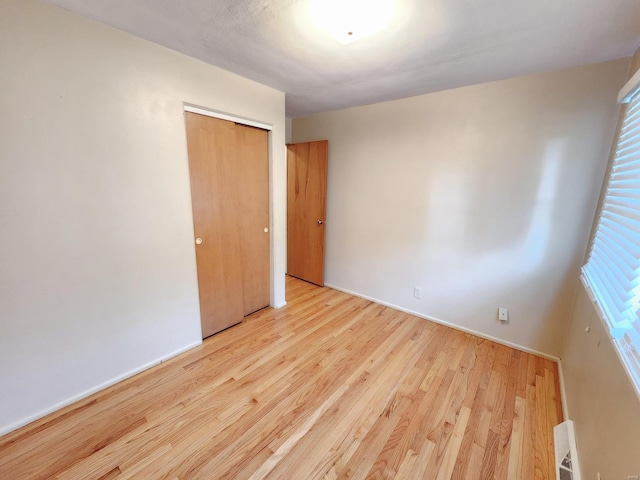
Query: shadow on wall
496	252
513	225
488	224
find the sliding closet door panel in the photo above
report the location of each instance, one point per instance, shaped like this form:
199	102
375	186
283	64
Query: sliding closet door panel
214	191
253	198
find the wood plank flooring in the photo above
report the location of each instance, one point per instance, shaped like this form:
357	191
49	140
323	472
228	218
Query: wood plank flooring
330	387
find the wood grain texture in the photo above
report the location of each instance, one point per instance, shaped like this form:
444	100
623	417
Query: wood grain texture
330	387
229	173
253	202
214	198
307	165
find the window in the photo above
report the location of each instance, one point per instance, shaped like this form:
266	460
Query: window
612	272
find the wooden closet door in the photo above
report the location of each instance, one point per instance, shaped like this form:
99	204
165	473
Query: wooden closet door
253	168
214	192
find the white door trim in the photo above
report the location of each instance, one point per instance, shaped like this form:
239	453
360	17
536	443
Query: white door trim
225	116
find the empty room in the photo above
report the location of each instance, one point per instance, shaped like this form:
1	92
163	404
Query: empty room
320	239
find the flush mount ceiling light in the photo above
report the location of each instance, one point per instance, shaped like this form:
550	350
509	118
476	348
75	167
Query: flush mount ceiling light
351	20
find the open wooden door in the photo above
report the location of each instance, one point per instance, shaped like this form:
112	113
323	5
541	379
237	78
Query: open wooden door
306	209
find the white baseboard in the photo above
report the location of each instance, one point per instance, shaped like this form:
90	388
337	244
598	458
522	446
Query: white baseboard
449	324
36	416
280	305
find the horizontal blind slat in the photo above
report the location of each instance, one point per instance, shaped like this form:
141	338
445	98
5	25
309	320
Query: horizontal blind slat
628	224
611	306
631	165
620	230
623	210
612	272
626	249
632	113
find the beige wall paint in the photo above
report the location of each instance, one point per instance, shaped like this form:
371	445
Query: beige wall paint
635	62
288	126
600	397
482	196
97	259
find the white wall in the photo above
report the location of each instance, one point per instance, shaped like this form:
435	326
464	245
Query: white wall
97	261
482	196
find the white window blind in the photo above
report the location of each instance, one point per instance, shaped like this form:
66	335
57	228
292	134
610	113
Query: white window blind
612	272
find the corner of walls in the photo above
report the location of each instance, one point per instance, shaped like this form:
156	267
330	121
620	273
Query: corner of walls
466	197
563	390
289	130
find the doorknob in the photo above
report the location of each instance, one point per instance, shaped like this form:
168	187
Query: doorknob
320	222
266	229
198	241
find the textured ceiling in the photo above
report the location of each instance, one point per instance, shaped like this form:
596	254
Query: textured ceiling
430	45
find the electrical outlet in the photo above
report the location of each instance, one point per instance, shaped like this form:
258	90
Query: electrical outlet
417	293
503	314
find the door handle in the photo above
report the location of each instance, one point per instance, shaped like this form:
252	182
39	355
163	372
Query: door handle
320	222
198	241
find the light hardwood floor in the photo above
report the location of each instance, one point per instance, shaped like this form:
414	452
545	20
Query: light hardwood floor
329	387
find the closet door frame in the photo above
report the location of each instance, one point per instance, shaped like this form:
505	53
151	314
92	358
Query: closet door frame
269	128
225	116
